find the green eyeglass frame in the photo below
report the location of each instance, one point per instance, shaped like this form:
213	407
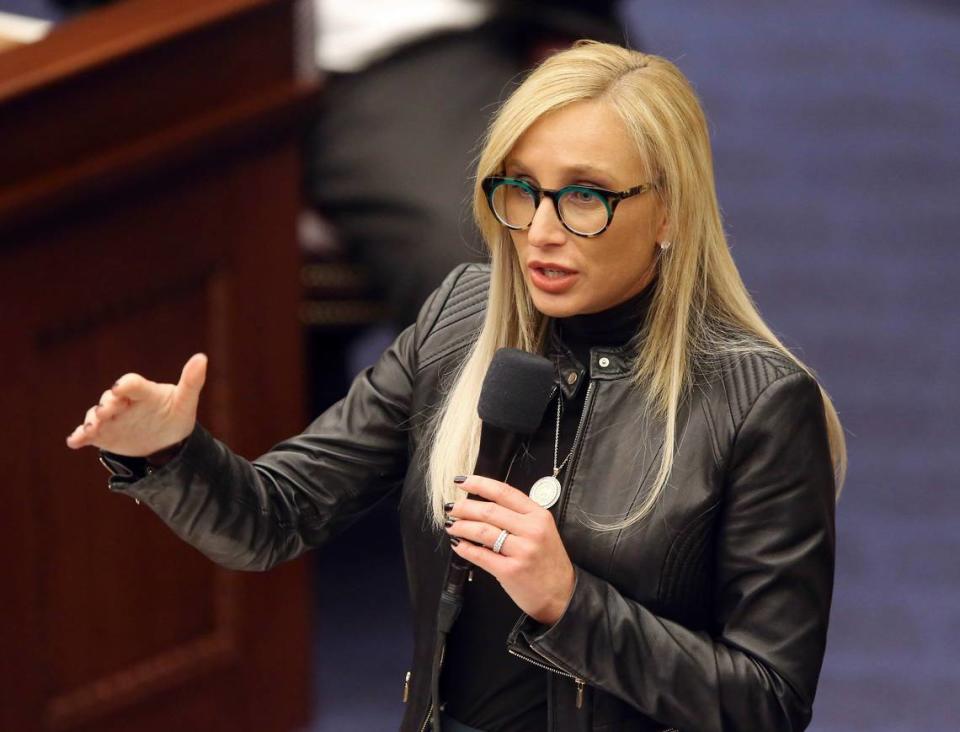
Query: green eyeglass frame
610	199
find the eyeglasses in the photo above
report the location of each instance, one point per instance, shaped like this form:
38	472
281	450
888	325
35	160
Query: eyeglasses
583	210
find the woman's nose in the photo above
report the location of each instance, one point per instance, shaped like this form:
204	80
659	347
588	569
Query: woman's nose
546	229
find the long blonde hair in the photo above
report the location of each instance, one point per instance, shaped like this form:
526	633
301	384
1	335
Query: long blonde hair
700	307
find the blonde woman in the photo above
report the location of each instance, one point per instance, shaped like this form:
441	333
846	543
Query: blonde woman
661	555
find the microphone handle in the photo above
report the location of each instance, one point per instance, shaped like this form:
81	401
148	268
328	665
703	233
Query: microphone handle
493	461
493	457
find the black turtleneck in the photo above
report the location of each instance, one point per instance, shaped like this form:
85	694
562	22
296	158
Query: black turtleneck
612	328
481	683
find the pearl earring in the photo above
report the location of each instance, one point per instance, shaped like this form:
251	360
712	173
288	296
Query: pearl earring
664	245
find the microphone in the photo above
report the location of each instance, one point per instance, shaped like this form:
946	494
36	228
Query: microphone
513	398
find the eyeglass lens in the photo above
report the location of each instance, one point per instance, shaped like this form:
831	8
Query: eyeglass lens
583	211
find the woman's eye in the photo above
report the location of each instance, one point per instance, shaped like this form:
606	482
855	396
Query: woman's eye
583	197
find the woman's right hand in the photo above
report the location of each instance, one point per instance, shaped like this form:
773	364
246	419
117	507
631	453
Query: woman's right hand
138	417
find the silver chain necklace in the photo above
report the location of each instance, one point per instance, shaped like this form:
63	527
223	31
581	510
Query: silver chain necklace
546	491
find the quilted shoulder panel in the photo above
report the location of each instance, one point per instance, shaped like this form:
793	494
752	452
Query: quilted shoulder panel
745	378
456	314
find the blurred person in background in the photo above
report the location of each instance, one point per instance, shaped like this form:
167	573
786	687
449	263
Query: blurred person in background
409	92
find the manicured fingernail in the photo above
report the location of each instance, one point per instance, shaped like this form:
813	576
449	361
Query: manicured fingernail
450	521
460	479
454	540
448	507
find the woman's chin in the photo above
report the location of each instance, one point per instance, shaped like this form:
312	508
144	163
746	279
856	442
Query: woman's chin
554	306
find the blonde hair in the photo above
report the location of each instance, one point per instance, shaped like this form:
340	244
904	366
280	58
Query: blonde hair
700	308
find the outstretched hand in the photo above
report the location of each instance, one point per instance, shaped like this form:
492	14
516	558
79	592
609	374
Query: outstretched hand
138	417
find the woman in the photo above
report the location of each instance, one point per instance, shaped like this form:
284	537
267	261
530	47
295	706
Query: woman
679	575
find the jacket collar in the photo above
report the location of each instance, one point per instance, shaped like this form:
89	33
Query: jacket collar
606	363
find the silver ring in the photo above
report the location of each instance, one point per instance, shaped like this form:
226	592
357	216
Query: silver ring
498	544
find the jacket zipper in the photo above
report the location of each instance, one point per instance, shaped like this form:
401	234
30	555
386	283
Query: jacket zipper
406	698
575	457
580	683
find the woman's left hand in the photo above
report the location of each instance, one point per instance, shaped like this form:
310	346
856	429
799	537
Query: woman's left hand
532	566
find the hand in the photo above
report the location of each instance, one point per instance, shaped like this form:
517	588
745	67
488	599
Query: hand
532	566
137	417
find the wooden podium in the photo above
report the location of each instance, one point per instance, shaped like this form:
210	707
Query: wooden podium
149	192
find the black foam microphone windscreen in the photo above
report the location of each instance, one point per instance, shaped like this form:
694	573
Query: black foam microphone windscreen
513	397
516	390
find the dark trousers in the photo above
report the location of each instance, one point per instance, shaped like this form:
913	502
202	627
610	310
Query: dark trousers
390	159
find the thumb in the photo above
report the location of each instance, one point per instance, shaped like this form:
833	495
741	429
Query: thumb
193	376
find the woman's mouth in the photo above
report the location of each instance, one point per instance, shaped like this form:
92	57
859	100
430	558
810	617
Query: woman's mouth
552	279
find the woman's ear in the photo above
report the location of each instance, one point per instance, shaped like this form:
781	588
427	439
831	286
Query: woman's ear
663	228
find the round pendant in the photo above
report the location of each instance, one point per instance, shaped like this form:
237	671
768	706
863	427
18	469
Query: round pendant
546	491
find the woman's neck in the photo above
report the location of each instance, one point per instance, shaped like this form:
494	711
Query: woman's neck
613	327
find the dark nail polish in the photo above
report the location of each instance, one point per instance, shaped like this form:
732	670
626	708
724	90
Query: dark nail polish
460	479
448	507
454	540
450	521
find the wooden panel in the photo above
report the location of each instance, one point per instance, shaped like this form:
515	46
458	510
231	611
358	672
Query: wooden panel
174	242
126	610
151	106
164	72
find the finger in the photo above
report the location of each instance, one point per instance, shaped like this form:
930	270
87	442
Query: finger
487	535
500	493
193	375
495	564
132	386
85	433
78	438
90	418
492	513
111	406
109	400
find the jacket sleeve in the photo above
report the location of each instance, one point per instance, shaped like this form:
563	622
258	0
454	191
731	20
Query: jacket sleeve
253	515
774	561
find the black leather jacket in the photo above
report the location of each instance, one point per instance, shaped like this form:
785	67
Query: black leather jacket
709	616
